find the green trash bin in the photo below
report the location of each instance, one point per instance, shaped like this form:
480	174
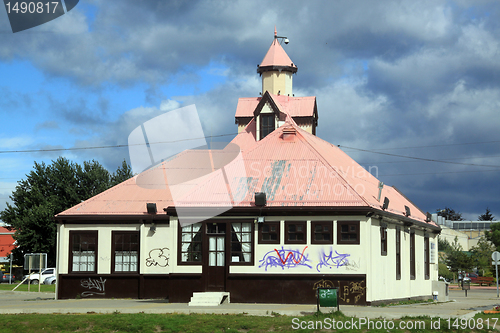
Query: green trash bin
328	297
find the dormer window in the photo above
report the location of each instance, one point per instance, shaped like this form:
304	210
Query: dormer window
267	124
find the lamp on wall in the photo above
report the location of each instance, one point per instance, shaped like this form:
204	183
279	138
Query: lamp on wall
152	228
151	207
407	210
386	203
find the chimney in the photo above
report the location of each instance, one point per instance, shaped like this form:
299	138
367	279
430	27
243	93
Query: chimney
289	134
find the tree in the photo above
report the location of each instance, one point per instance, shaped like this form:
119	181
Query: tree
494	235
481	254
444	245
123	173
450	214
47	191
487	216
458	260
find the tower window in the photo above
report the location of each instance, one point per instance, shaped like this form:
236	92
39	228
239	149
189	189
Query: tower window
266	125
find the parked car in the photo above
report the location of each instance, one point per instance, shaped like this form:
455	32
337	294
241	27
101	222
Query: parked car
35	277
5	277
473	277
466	277
50	280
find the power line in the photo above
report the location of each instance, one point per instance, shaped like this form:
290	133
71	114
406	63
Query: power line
443	145
105	147
420	158
434	173
445	159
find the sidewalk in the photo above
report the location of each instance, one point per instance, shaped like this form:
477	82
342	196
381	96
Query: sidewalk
461	306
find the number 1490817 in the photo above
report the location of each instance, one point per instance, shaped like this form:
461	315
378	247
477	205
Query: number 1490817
31	7
472	323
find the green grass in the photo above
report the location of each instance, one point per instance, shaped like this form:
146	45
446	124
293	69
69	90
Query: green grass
49	288
202	323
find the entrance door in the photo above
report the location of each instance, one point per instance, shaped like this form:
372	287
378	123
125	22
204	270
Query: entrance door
215	267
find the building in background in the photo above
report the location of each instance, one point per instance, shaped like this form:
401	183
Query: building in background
468	233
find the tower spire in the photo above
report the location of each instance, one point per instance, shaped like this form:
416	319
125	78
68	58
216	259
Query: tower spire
277	68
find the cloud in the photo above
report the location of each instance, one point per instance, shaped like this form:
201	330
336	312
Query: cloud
386	75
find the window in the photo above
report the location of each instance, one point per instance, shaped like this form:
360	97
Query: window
266	124
190	244
83	251
125	251
241	242
295	232
348	232
269	233
427	267
322	232
412	254
383	239
398	253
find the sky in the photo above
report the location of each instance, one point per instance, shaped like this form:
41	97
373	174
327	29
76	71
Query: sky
409	89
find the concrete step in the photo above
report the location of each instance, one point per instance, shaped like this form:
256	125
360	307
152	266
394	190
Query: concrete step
209	298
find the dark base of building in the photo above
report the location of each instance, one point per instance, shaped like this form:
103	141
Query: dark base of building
243	288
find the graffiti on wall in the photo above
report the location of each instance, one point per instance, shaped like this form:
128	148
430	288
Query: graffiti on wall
95	286
353	265
285	258
331	259
323	284
353	290
158	257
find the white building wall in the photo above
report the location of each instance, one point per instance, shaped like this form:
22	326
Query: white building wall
382	283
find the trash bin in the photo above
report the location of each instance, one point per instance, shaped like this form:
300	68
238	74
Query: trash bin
328	297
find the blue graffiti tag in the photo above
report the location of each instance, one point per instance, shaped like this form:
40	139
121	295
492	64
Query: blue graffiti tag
285	258
329	260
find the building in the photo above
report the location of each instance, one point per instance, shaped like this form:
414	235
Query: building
304	215
7	244
467	233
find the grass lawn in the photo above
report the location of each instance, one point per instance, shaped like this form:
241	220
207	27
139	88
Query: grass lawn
49	288
141	322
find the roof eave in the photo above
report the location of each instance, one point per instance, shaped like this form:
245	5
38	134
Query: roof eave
262	69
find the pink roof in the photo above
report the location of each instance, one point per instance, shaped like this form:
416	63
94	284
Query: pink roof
276	56
294	106
294	168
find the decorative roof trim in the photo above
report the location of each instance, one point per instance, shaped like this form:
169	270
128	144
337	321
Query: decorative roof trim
267	98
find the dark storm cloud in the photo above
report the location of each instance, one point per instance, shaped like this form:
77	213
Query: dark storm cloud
385	74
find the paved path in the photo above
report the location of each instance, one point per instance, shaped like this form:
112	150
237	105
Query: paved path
460	306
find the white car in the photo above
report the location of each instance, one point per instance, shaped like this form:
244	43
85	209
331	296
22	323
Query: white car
35	277
50	280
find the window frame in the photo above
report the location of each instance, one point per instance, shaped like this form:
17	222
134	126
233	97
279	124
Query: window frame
251	242
398	253
339	232
277	224
427	267
266	127
304	228
70	259
313	232
179	245
114	234
383	239
412	255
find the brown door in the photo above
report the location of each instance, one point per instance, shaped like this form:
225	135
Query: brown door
215	264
